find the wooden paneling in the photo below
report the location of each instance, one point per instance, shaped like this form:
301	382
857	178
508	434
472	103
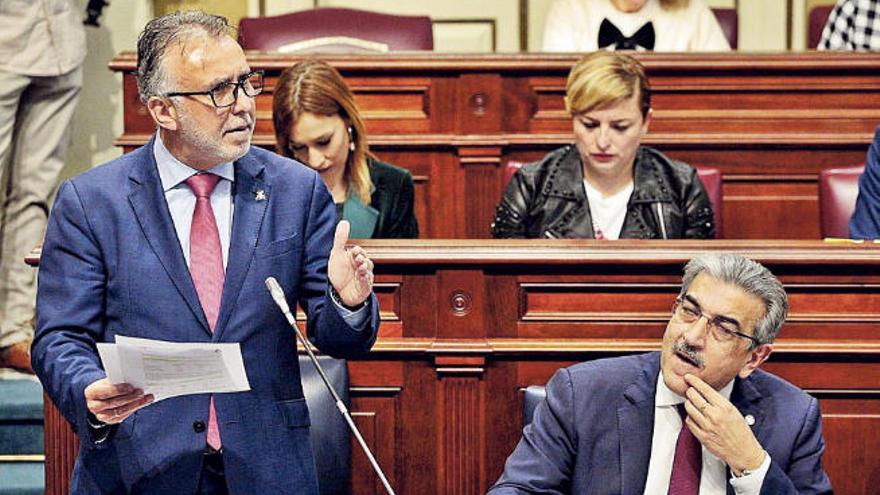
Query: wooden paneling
469	324
771	122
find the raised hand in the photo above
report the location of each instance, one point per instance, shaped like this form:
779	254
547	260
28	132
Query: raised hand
349	269
720	427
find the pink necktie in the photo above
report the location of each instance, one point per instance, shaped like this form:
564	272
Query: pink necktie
206	267
688	463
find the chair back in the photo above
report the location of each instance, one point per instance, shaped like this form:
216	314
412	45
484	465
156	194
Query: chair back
533	396
336	30
729	21
712	183
838	190
710	177
818	18
330	437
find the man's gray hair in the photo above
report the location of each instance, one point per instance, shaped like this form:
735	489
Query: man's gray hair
159	34
750	276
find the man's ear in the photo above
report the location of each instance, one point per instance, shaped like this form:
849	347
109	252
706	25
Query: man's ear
163	112
756	359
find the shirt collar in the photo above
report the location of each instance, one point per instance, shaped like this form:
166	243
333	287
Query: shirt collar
172	172
666	397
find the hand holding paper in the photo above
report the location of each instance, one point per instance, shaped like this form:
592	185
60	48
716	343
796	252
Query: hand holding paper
168	369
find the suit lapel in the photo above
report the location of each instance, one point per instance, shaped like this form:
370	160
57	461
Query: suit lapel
636	428
746	397
151	210
251	198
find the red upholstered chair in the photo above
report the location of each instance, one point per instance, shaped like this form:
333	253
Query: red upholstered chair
712	182
709	176
336	30
818	18
729	20
838	190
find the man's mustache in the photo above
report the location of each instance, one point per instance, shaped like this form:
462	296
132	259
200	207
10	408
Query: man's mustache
690	352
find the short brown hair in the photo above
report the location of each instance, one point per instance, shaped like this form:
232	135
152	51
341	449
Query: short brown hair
604	78
314	86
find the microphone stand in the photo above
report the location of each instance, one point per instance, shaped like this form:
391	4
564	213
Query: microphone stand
278	296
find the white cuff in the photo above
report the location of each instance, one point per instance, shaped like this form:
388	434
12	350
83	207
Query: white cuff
751	483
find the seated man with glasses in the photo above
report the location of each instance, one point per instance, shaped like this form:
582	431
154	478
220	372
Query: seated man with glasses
174	242
698	417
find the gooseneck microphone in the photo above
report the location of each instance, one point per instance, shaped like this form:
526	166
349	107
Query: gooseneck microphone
278	296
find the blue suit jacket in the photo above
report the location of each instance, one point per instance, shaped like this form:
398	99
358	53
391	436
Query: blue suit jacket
593	433
865	222
112	265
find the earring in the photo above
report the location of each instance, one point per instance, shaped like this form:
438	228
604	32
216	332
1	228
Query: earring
350	139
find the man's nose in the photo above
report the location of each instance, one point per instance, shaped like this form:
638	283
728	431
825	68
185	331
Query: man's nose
243	103
697	331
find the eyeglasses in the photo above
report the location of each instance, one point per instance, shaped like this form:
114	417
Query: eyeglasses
722	329
225	94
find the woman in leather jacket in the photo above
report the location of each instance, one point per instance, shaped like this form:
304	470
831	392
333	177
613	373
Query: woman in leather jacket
606	185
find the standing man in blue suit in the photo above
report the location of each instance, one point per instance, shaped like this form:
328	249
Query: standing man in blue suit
615	425
865	221
174	241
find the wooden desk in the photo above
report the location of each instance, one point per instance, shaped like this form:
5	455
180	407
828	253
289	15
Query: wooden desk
467	325
771	122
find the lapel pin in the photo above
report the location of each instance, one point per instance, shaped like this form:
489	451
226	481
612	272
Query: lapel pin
260	195
750	420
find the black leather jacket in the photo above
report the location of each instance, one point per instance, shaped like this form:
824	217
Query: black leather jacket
546	199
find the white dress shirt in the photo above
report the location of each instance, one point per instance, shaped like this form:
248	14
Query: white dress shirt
182	203
713	478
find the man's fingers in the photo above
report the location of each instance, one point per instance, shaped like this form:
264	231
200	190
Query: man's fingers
341	236
103	389
118	401
706	390
117	414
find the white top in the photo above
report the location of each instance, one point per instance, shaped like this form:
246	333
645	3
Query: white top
41	37
609	212
667	426
573	26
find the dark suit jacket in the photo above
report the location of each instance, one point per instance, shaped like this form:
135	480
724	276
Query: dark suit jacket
390	213
593	433
112	265
865	221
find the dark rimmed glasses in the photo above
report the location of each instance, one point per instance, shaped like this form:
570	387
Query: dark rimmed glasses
225	94
721	328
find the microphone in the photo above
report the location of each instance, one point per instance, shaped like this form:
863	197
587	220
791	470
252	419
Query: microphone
278	296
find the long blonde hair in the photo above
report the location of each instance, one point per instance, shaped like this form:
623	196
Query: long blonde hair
314	86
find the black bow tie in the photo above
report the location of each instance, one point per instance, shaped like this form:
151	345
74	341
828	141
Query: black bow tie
609	35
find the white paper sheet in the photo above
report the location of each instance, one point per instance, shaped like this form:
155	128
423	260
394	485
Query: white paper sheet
168	369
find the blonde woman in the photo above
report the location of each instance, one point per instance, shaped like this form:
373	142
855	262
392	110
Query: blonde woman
318	123
659	25
606	185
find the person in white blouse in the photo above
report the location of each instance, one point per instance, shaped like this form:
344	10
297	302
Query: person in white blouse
659	25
